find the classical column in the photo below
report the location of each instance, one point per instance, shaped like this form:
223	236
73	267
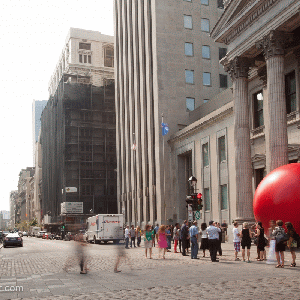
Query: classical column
273	49
238	69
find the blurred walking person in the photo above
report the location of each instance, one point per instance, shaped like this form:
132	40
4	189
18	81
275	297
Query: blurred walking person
81	254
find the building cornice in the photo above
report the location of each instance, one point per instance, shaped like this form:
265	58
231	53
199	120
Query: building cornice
228	28
204	122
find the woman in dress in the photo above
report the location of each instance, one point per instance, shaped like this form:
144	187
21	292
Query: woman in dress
204	238
162	240
246	240
260	234
280	247
148	240
292	242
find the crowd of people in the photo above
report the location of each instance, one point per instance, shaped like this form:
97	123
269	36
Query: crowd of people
189	237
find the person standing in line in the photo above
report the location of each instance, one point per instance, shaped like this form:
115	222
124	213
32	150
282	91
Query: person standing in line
153	235
272	243
213	236
280	247
220	240
132	236
156	231
168	235
204	238
236	240
292	242
162	240
148	240
260	233
176	237
246	241
138	235
193	231
127	235
184	237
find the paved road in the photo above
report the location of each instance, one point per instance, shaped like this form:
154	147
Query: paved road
38	269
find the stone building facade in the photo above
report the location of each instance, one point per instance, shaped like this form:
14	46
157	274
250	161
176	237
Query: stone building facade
257	129
88	56
167	66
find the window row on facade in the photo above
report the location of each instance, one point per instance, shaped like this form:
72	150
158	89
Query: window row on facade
220	3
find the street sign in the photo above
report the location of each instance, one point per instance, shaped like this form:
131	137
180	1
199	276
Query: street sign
197	215
71	189
72	207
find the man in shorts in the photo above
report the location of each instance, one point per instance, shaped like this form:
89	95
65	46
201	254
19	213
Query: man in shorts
236	240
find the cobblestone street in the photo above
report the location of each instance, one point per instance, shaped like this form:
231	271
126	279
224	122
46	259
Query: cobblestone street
38	268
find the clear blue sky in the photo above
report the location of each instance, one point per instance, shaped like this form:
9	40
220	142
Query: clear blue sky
32	37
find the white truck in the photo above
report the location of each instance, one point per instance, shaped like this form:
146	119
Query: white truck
33	230
105	228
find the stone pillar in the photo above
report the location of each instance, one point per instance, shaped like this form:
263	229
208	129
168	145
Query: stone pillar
238	69
273	49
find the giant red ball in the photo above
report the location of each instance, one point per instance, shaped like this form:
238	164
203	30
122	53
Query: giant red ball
278	196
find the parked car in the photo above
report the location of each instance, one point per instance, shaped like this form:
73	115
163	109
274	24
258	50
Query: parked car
1	236
69	236
12	239
40	234
47	236
5	233
25	233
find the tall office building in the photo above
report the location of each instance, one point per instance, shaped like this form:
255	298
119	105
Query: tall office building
37	109
166	66
78	127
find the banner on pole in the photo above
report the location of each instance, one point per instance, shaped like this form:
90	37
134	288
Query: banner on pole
165	128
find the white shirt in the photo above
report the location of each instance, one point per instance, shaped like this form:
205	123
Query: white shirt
236	238
204	234
126	233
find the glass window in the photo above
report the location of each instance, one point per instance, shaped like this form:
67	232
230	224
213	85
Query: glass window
89	59
206	78
205	155
188	49
224	201
109	57
205	100
84	46
188	22
205	2
189	76
205	25
258	109
80	58
222	53
223	81
190	104
205	52
290	92
221	146
221	4
206	199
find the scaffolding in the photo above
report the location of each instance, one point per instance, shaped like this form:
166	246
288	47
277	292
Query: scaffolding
78	137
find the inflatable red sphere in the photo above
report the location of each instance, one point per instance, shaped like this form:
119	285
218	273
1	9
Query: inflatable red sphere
278	196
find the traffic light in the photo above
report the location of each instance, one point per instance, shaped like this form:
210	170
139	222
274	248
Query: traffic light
195	200
199	201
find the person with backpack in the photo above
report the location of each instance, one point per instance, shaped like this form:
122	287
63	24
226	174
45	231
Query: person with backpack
292	243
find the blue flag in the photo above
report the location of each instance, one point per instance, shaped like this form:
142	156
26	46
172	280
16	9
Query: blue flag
165	128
